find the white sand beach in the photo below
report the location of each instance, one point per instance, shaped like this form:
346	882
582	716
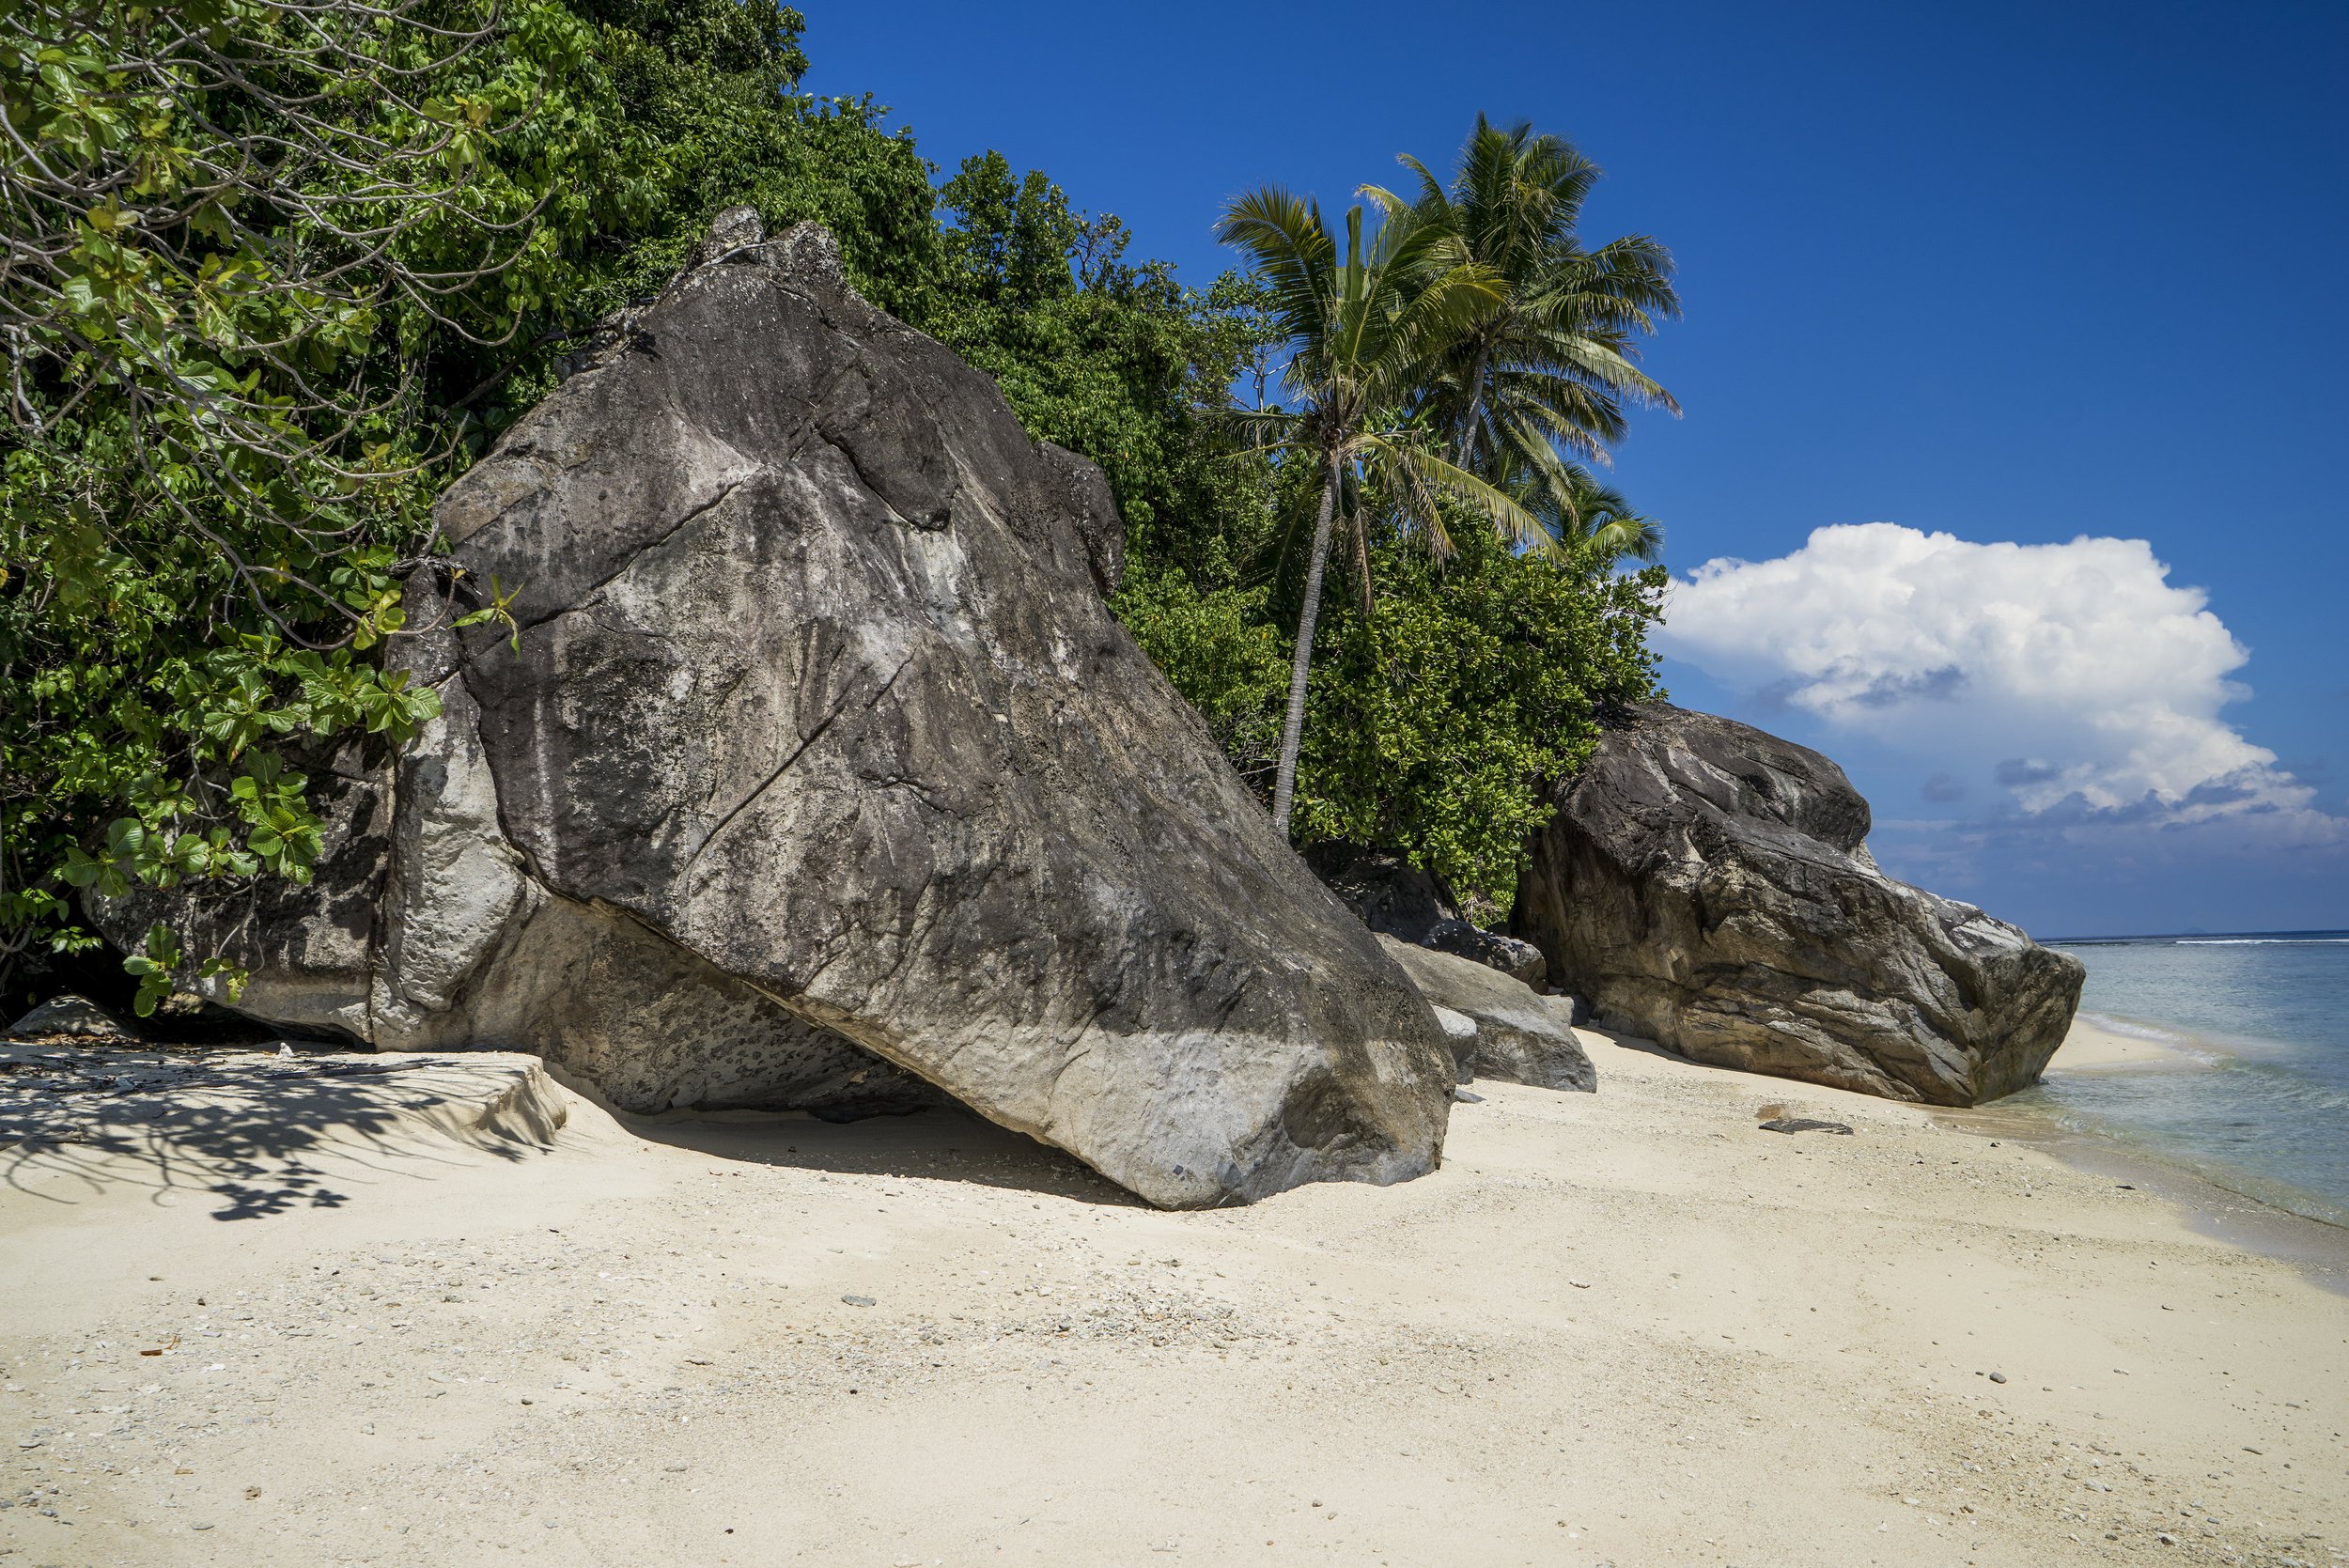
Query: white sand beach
1624	1329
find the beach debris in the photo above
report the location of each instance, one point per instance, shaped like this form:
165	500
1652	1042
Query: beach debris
1997	1377
1804	1124
857	1300
1464	1097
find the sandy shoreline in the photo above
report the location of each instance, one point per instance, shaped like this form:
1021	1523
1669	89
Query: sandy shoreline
2092	1045
1625	1327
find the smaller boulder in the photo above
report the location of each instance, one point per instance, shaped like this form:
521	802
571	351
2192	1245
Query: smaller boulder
1709	887
1521	961
1387	892
1395	898
1522	1037
68	1013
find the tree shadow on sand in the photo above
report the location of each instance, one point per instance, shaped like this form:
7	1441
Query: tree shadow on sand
262	1134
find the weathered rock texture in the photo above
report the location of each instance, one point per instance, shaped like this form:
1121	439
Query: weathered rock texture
822	762
1396	898
1709	886
1522	1037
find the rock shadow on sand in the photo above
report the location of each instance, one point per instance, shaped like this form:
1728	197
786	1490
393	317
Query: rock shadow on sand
937	1143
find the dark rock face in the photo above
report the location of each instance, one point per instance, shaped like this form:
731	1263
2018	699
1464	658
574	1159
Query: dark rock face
1522	1037
1397	899
822	769
1708	886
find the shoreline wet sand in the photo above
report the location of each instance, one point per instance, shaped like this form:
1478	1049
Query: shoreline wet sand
2227	1201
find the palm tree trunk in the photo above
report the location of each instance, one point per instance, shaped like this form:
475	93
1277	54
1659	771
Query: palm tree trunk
1361	564
1475	407
1284	781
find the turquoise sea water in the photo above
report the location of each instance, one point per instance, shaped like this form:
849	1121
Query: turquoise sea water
2265	1016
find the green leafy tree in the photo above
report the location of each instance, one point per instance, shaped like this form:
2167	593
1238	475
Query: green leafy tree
1108	357
708	92
235	230
1473	679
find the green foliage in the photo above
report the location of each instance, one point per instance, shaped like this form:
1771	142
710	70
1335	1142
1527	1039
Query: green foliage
1106	357
1222	649
707	90
236	229
1431	722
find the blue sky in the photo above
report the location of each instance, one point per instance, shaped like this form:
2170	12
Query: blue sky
2010	274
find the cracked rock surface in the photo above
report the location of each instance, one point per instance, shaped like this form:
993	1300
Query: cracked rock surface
819	774
1709	886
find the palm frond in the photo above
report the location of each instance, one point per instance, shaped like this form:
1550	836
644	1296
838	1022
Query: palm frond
1414	469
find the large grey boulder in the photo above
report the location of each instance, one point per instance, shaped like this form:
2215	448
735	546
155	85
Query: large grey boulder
1708	886
820	766
1522	1037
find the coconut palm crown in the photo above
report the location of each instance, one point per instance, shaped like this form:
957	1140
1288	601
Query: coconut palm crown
1555	366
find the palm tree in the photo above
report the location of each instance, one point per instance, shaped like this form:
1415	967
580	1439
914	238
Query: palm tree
1554	366
1573	505
1365	333
1605	522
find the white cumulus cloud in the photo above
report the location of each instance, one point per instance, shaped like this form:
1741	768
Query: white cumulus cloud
2048	681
